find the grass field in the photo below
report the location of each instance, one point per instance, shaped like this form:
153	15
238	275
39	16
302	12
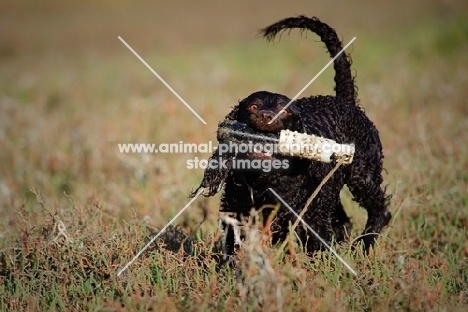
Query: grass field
75	210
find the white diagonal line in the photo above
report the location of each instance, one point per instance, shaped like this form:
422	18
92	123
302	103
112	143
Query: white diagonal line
162	80
160	232
310	82
315	233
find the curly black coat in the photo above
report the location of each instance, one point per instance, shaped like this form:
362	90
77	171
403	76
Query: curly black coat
335	117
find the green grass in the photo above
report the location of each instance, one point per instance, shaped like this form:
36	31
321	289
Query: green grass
75	211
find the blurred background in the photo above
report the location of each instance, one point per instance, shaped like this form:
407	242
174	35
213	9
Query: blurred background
70	91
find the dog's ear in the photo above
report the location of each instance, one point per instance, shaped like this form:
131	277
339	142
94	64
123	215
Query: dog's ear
299	120
296	118
218	166
216	172
234	114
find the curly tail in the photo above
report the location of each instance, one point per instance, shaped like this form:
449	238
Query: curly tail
344	81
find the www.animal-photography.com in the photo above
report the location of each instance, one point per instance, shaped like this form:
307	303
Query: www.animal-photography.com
223	156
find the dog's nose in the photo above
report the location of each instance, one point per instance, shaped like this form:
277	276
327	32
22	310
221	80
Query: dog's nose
266	117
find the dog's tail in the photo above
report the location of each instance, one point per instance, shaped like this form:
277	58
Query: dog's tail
344	80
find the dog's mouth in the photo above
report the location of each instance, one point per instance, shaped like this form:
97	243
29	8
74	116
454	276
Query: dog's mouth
260	155
264	123
263	126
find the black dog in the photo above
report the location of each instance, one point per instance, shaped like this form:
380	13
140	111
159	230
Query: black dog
334	117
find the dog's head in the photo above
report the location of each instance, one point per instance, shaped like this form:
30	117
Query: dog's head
255	111
259	108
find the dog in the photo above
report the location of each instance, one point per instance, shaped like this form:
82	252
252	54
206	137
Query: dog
338	117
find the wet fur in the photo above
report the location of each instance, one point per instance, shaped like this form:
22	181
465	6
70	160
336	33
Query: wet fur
336	117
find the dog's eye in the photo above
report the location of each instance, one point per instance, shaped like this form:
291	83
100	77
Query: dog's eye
253	106
285	112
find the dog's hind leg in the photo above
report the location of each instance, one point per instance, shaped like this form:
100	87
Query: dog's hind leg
371	197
